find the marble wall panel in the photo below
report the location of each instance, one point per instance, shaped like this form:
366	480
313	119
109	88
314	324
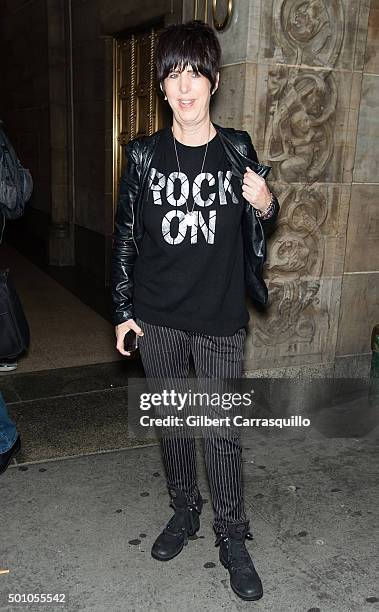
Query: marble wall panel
362	251
359	312
366	167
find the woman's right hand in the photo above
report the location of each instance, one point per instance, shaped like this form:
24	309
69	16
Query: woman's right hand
121	330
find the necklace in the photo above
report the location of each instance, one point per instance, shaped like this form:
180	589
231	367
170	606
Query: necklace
190	215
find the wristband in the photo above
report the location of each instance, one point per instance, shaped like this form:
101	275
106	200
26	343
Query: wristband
267	212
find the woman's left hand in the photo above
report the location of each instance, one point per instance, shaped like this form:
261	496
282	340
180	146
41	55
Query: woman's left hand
255	190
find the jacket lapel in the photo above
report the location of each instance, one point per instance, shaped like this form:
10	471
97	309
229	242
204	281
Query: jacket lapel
253	234
238	160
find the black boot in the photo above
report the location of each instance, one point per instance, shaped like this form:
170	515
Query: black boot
234	555
184	523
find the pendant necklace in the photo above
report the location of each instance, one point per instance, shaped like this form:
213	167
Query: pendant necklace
190	214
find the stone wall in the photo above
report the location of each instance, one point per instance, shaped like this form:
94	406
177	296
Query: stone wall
302	78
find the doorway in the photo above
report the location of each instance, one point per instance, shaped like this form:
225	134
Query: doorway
138	106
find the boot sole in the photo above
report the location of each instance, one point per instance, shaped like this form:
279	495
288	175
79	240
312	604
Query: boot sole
253	598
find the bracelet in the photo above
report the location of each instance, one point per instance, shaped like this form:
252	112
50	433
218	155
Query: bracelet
267	212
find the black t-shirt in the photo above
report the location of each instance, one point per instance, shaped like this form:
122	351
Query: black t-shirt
191	277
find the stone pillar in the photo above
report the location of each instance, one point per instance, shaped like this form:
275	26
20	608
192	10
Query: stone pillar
61	238
293	75
359	310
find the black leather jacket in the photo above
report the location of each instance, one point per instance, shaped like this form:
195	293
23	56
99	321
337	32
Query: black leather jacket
128	230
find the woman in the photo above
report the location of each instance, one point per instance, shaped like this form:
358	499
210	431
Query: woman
189	240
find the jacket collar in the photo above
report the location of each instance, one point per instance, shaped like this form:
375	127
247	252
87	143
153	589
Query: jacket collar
234	143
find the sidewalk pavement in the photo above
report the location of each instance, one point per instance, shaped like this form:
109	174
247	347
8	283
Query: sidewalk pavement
84	527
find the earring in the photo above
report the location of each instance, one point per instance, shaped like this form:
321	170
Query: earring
165	97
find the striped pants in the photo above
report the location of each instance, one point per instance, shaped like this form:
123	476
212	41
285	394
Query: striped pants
165	354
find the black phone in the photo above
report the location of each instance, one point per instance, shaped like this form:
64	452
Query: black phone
130	341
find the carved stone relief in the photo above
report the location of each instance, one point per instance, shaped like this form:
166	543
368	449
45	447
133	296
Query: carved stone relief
294	266
299	142
309	31
299	135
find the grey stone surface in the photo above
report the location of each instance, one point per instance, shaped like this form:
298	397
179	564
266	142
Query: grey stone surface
366	160
363	230
84	527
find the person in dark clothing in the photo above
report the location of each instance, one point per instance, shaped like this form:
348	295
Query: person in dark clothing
10	442
189	241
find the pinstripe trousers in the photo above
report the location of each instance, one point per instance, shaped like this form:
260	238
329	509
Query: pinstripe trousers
165	354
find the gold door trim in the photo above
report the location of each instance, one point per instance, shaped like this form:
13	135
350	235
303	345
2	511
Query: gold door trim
137	105
200	10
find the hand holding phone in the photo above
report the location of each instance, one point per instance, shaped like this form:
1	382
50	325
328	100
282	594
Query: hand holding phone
127	337
131	341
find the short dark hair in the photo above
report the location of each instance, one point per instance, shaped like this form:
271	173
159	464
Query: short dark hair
193	43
